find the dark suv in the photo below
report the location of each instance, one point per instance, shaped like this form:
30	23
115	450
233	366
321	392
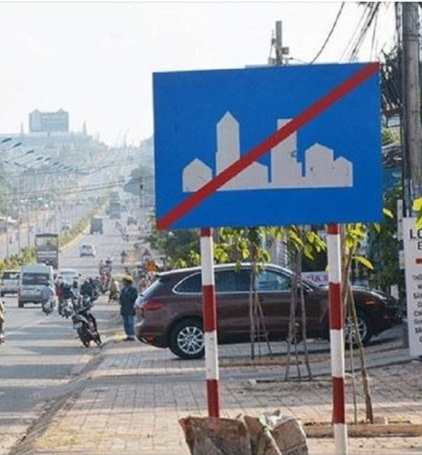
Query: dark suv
170	310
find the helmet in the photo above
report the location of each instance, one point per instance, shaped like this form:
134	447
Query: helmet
128	278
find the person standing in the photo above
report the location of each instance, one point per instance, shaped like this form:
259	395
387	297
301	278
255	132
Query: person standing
127	298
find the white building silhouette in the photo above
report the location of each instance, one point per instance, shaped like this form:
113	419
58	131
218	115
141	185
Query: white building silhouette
228	152
321	169
195	175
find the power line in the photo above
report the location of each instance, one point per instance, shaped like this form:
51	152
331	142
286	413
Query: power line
329	34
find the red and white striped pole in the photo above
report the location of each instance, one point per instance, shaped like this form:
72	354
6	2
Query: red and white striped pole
210	322
337	339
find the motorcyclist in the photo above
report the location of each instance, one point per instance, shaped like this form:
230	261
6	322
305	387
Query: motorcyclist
104	281
114	291
2	313
109	264
87	289
123	256
95	283
65	294
47	294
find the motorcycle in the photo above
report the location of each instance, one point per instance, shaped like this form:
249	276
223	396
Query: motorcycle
2	313
48	306
67	308
85	324
104	283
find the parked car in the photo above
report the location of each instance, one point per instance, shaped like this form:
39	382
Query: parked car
169	313
87	249
9	283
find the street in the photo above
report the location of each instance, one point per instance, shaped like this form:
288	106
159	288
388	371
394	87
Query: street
41	354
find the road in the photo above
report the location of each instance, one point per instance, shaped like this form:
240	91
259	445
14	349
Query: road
41	358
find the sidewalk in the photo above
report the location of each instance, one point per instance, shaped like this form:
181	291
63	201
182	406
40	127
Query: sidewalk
131	402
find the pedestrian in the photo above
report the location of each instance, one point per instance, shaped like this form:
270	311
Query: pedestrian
127	298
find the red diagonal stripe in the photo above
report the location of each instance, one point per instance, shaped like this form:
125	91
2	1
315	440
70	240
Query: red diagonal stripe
289	128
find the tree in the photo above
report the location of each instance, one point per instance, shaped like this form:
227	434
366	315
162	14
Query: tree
246	244
180	248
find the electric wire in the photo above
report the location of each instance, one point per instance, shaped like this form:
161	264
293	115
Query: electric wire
330	34
355	34
373	9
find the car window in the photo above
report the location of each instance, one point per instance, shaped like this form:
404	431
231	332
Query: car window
10	276
35	278
232	281
189	285
268	280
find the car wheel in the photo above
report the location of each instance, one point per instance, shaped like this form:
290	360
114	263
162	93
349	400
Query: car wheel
364	329
20	304
2	294
187	339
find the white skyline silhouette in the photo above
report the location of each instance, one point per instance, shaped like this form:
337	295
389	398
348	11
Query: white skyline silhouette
321	169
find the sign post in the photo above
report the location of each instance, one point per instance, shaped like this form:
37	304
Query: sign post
231	145
210	323
412	239
337	338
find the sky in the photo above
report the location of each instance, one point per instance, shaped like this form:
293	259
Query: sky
96	59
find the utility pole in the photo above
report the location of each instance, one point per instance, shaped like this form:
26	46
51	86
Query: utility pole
411	138
277	43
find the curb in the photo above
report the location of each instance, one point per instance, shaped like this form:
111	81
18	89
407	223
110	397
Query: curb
364	430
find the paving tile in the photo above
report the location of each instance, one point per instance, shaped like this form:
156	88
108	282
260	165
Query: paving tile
136	396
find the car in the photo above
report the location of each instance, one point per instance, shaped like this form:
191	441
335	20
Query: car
131	220
32	279
87	249
9	283
66	226
96	226
169	311
68	275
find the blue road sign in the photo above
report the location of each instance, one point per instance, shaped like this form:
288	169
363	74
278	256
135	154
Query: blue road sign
268	146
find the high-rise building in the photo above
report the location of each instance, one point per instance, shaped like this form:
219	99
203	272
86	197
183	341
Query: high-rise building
45	122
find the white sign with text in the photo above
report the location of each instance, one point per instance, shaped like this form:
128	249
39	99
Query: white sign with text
412	238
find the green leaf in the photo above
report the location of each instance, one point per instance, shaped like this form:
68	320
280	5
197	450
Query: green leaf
417	204
388	213
364	261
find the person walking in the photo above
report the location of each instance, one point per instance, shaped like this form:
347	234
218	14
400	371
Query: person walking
127	298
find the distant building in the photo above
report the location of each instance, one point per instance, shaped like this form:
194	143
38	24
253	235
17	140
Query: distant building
46	122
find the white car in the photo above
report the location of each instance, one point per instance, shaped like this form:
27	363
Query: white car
68	275
9	283
87	249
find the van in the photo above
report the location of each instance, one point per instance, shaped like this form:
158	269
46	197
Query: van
32	280
9	283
